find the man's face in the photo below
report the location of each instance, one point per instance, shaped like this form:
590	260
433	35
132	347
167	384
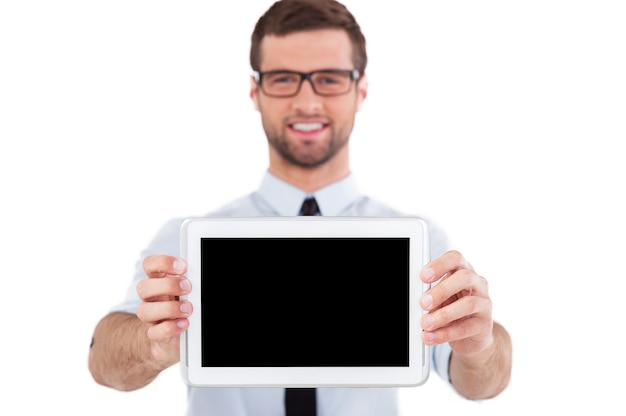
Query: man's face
307	130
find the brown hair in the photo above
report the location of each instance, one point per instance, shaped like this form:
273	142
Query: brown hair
288	16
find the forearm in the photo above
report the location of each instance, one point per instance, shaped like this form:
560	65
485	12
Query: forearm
487	373
120	356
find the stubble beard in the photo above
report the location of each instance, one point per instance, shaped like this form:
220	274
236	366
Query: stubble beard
309	155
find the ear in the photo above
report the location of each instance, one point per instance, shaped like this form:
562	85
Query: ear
254	93
361	91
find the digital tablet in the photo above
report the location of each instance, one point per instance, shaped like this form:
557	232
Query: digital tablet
305	302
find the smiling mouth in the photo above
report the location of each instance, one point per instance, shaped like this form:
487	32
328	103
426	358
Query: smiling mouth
307	127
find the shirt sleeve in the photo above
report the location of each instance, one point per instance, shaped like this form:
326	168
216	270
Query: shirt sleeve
441	360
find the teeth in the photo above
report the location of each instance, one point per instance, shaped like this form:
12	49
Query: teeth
307	126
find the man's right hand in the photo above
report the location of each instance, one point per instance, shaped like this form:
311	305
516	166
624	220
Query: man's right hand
161	306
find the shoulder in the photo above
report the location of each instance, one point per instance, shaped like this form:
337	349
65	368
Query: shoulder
367	206
251	204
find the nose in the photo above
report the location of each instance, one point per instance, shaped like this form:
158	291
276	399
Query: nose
306	101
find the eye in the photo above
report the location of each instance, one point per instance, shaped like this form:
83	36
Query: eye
282	78
329	79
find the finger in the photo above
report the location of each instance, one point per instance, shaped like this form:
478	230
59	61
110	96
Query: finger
460	284
446	264
161	266
471	331
151	289
156	312
464	308
167	331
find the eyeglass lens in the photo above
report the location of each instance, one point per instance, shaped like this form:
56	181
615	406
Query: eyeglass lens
324	83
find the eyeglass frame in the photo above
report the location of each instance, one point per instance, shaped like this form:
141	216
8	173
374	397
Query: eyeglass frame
355	75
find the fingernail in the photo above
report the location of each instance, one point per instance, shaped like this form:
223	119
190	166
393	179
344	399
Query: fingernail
427	301
185	307
182	323
428	273
428	321
185	285
178	265
429	336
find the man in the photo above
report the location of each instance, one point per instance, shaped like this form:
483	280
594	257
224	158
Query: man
309	59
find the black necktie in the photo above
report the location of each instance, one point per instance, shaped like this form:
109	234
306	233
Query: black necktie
302	401
309	207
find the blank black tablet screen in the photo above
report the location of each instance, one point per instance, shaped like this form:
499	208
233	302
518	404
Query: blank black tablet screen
302	302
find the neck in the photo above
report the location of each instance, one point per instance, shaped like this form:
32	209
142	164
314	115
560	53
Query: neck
310	179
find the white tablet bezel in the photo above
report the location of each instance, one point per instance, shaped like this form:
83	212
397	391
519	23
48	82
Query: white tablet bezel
415	374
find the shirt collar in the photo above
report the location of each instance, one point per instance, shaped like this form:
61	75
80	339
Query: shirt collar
286	199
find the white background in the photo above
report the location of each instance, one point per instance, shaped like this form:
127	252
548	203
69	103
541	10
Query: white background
503	121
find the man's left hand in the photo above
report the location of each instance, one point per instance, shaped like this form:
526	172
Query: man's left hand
458	304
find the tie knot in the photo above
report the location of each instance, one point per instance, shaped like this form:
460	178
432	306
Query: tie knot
309	207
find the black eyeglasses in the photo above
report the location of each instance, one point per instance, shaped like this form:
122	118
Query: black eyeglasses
327	82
